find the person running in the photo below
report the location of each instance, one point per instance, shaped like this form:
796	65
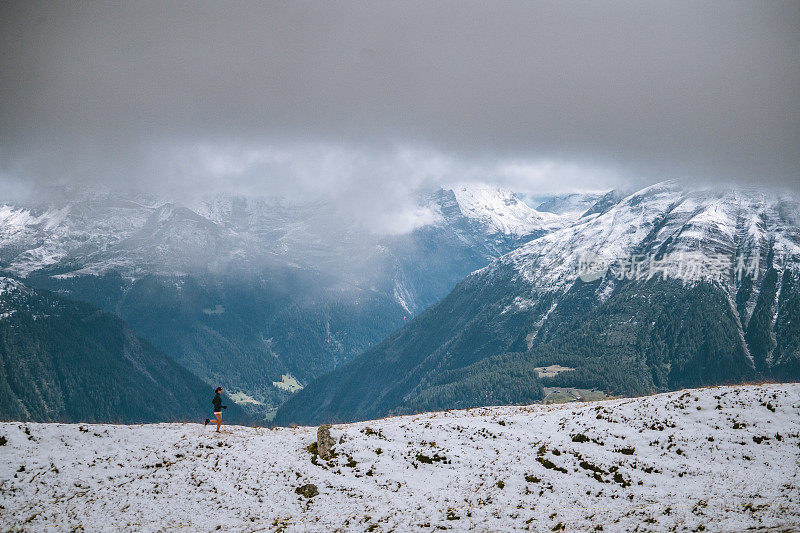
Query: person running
218	407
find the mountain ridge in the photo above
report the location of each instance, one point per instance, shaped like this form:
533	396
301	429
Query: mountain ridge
704	318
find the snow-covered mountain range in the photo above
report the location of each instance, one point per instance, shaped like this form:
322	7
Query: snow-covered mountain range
245	291
85	232
672	225
665	288
712	459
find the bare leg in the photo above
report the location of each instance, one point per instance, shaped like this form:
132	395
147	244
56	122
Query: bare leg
219	420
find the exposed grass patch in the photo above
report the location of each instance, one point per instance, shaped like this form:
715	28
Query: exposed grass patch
550	465
422	458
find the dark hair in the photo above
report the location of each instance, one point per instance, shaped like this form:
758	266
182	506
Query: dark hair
218	389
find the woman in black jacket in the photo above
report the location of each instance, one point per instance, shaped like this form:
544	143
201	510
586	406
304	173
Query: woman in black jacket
218	407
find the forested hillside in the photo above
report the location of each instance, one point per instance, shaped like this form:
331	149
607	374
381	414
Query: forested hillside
70	362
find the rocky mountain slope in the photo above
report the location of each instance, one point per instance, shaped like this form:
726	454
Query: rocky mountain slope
713	459
67	361
666	288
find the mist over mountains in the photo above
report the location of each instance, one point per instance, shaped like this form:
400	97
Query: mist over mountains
260	294
284	301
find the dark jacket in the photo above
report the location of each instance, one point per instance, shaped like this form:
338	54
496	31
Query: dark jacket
217	401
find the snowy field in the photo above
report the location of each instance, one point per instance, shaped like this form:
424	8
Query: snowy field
713	459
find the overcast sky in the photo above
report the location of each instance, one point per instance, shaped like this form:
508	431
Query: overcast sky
378	98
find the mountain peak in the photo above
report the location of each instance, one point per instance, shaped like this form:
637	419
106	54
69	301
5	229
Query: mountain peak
501	211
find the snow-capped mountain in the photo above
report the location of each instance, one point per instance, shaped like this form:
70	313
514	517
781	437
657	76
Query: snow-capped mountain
501	212
667	288
712	459
93	235
671	224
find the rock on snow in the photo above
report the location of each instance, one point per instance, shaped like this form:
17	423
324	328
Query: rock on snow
722	459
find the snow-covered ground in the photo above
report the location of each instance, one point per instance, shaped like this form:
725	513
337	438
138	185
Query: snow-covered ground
719	459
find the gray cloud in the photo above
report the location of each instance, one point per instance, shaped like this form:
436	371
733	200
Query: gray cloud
329	96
